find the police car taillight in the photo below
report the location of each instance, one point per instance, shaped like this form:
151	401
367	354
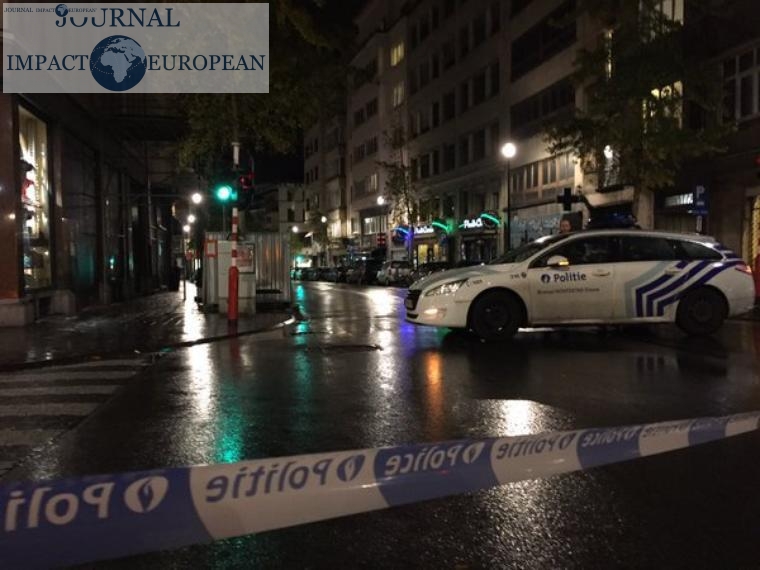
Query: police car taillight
744	268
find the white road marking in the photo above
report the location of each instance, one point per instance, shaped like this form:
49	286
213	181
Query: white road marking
54	409
70	375
58	390
26	436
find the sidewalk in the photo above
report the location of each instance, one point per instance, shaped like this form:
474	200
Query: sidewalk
146	324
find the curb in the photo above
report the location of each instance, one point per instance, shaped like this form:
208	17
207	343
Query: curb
77	359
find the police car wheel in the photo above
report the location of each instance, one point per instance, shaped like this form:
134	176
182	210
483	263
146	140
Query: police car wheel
701	312
495	316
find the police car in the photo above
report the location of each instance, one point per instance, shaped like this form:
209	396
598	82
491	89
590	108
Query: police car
588	278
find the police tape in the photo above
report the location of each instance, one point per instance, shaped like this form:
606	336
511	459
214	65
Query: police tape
109	516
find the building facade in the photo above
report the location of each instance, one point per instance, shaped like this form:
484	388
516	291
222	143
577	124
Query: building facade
78	221
462	78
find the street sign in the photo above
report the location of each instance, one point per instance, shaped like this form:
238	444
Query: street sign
211	250
700	201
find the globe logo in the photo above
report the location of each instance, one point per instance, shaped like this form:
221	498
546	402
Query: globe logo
61	10
118	63
545	278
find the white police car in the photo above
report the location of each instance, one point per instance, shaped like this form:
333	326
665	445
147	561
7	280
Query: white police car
591	277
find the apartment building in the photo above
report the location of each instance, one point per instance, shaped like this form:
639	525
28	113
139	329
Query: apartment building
376	105
325	204
463	78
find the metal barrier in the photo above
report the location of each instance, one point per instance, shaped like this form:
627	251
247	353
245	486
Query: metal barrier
107	516
271	265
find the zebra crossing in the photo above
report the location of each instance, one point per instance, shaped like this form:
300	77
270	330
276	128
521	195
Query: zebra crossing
38	405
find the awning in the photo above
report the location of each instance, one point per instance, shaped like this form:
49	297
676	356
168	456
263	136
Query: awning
599	199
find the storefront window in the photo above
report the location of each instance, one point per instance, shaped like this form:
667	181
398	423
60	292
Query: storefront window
35	200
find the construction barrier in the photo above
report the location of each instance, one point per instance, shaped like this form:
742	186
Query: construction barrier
108	516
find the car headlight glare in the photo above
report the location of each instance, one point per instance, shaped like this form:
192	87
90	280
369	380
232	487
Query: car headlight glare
447	288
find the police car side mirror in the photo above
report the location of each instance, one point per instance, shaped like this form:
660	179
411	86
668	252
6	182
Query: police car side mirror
557	261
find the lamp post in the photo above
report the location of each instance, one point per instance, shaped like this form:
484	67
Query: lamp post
508	151
185	230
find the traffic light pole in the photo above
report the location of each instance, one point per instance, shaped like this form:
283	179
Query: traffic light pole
234	274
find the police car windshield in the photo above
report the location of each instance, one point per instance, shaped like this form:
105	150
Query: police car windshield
528	250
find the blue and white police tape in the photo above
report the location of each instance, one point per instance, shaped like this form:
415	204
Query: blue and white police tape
108	516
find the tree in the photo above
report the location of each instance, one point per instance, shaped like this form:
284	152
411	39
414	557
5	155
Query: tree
641	87
401	188
307	78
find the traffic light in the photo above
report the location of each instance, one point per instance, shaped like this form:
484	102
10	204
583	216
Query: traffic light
225	193
245	189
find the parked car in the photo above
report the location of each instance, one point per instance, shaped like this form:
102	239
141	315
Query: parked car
364	272
394	272
335	274
426	269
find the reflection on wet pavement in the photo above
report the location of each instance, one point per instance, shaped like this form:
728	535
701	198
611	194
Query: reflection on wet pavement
318	390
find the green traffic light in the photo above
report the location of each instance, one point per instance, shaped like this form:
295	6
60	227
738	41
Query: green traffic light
223	193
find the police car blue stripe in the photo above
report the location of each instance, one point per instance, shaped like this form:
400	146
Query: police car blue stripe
699	282
641	291
640	280
660	293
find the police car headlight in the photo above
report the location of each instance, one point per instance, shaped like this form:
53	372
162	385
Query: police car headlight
447	288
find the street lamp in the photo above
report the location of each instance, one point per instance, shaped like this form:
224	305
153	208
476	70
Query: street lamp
608	154
197	198
508	151
191	219
323	219
295	229
186	228
380	200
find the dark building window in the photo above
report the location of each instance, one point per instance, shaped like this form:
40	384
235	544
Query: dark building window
530	113
449	157
449	54
436	61
424	74
479	88
479	30
464	150
413	86
359	117
449	106
553	34
494	13
436	114
464	41
435	17
518	6
495	75
372	108
424	28
448	7
435	162
464	96
479	145
413	38
425	166
495	142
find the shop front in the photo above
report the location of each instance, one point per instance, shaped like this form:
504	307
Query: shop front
479	237
431	244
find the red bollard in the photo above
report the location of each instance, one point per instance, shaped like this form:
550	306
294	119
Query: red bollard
232	294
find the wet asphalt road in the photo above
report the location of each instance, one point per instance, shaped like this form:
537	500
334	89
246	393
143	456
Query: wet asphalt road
356	375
